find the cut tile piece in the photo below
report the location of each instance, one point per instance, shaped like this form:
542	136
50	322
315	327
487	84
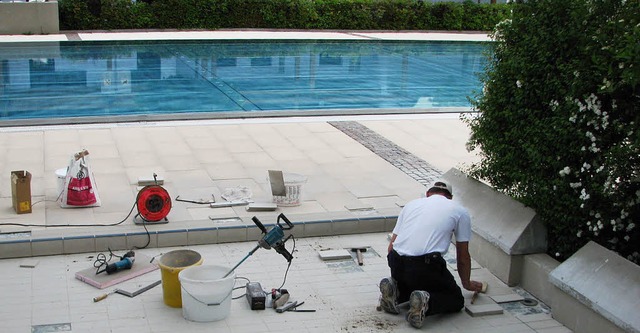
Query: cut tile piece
483	310
29	263
334	254
353	207
507	298
63	327
261	207
146	180
276	178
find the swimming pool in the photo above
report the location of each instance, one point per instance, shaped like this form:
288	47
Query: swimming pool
72	81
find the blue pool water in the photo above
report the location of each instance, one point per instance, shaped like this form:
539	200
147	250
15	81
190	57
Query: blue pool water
108	79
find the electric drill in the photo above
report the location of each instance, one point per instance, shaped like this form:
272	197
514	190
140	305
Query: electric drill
275	237
126	262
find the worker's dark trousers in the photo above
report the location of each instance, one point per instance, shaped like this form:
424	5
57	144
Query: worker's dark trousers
428	273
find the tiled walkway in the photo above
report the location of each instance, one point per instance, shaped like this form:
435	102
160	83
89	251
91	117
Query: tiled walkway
343	294
354	190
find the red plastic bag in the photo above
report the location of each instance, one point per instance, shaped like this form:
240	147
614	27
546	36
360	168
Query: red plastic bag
80	192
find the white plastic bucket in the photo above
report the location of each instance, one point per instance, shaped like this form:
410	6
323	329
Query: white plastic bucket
206	295
293	185
61	174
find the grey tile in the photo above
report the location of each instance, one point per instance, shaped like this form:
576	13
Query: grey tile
232	234
15	249
169	238
483	309
317	228
79	244
111	242
199	236
345	227
47	246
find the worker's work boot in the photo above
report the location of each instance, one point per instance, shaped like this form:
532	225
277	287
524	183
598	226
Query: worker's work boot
389	297
418	306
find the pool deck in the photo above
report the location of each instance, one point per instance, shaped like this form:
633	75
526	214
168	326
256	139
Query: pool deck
355	188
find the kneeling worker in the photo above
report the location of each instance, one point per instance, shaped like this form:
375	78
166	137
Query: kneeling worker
419	274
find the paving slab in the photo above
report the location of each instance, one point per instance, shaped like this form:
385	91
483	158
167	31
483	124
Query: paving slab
483	309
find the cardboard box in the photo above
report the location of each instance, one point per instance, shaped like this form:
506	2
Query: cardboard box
21	191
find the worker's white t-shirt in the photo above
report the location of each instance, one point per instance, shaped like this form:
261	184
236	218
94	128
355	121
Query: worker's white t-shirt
426	225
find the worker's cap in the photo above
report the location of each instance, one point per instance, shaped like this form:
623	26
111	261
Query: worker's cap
443	185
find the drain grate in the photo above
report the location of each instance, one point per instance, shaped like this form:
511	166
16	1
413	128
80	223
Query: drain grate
408	163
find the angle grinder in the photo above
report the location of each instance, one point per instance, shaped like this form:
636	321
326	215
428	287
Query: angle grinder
125	262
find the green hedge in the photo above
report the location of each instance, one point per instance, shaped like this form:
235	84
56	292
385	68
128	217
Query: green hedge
279	14
558	127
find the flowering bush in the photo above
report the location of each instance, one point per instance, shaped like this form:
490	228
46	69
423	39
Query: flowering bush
558	120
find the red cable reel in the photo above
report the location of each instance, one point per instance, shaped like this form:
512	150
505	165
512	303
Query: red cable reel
153	203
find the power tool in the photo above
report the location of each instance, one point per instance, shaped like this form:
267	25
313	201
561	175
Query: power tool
125	262
273	238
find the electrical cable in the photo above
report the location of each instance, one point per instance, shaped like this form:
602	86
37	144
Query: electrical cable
135	205
240	287
293	249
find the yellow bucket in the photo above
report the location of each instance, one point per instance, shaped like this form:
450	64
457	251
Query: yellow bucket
171	263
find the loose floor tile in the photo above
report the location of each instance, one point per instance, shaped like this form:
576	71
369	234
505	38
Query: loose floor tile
483	310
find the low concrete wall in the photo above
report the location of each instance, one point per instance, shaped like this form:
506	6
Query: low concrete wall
594	291
35	18
535	276
603	282
504	229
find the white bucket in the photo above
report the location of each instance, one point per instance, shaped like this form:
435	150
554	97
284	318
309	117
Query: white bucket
61	174
293	188
206	295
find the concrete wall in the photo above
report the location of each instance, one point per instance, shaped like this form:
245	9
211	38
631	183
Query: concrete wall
504	229
594	291
602	282
36	18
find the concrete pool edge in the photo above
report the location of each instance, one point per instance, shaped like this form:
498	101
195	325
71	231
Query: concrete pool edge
226	115
239	34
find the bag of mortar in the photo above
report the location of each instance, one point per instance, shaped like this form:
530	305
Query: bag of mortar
79	188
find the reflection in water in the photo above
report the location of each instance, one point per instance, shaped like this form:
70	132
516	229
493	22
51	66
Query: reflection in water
73	79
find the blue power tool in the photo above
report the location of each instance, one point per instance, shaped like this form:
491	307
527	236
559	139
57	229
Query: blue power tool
125	262
273	238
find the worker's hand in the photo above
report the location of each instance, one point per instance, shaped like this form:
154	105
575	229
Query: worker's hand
473	286
390	247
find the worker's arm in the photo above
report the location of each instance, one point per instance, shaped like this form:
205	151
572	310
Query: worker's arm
464	267
393	238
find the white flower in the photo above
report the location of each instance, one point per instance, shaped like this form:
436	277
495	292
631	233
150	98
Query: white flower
565	171
631	226
584	195
519	84
626	238
575	185
557	254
